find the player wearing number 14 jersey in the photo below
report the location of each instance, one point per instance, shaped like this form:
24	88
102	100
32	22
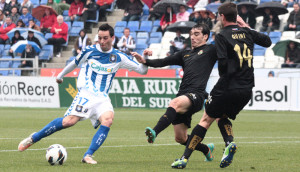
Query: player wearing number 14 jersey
100	63
233	90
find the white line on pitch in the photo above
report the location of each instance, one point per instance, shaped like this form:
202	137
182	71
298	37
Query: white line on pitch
174	144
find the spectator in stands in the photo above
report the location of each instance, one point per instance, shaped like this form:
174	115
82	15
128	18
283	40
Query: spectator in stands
133	11
32	38
183	15
293	22
55	7
2	17
288	3
26	4
195	17
60	35
3	5
8	8
89	13
153	15
206	19
126	43
81	42
270	21
75	11
28	52
103	6
20	23
248	16
26	16
34	26
177	44
292	55
6	27
166	20
14	15
17	37
47	21
271	74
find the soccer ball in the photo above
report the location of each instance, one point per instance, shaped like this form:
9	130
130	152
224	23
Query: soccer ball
56	154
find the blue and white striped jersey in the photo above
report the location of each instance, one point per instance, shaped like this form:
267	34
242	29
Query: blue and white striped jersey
99	68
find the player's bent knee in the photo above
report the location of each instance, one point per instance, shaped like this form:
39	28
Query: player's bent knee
107	122
70	121
180	140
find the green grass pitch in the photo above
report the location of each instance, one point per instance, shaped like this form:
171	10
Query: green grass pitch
267	141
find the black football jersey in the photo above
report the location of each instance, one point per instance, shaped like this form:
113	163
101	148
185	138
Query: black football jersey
235	54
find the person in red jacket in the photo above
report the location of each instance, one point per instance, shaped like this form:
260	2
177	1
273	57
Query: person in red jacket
103	5
75	10
60	35
167	20
47	21
6	27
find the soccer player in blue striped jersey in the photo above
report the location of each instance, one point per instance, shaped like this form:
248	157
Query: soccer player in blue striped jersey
100	63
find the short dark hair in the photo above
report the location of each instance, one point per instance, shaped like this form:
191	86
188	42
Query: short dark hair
204	29
107	27
229	10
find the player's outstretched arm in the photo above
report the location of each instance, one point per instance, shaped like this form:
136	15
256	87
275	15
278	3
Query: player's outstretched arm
138	57
69	68
241	22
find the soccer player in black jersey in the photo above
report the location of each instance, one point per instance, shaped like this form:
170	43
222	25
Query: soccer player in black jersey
233	90
197	65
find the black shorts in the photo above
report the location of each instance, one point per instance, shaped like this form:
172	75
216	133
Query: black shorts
227	103
197	100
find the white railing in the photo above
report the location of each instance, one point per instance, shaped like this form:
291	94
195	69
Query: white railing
35	66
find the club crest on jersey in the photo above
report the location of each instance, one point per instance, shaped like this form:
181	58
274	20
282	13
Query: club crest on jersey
78	108
113	58
200	52
235	29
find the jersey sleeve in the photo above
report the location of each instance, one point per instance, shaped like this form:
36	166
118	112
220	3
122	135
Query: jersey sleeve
128	63
175	59
221	47
260	38
83	56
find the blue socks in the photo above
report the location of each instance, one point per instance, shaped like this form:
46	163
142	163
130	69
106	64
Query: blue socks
49	129
98	139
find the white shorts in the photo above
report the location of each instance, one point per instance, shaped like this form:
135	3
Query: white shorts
89	106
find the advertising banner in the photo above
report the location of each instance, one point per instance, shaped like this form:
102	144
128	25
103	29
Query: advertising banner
29	92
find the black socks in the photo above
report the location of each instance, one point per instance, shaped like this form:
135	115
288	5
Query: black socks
165	120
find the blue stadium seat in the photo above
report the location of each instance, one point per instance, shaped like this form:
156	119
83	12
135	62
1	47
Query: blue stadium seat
1	48
133	34
118	34
154	29
69	25
156	23
4	64
44	2
146	26
35	2
66	44
119	29
48	35
154	40
133	26
112	7
143	35
263	1
97	18
275	34
78	24
5	53
142	41
156	35
275	40
76	27
141	46
121	24
7	47
49	49
144	18
145	10
44	55
15	64
259	52
65	13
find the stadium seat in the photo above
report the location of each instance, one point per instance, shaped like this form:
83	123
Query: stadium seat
154	40
144	18
156	35
65	13
133	34
76	27
118	34
95	20
141	46
275	34
35	2
49	49
69	25
119	29
146	26
143	35
133	26
48	35
145	10
112	7
121	24
4	64
44	2
263	1
154	29
142	41
15	64
156	23
288	35
7	47
274	40
44	55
